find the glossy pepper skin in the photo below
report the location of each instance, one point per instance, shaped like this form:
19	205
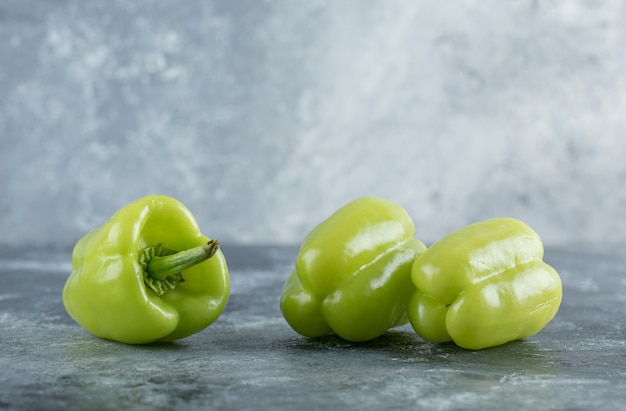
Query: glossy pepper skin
484	285
111	294
352	273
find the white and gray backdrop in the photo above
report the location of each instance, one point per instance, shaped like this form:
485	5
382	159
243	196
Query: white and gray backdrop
263	117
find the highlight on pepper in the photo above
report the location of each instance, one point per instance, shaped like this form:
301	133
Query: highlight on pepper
484	285
352	275
148	274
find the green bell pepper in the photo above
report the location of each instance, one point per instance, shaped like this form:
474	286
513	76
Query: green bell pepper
352	275
146	275
484	285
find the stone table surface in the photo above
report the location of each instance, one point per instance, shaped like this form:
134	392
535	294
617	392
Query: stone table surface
251	359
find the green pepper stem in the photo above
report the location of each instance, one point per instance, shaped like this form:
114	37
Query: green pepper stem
160	268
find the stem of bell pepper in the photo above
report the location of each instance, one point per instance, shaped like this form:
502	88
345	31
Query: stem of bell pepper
160	268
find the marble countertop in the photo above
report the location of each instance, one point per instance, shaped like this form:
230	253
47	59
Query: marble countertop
250	359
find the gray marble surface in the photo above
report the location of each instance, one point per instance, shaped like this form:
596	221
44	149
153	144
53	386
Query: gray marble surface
250	359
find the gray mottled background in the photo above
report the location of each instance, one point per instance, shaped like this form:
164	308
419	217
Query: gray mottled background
264	117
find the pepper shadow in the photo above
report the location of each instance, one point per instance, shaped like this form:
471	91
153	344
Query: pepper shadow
402	348
87	348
